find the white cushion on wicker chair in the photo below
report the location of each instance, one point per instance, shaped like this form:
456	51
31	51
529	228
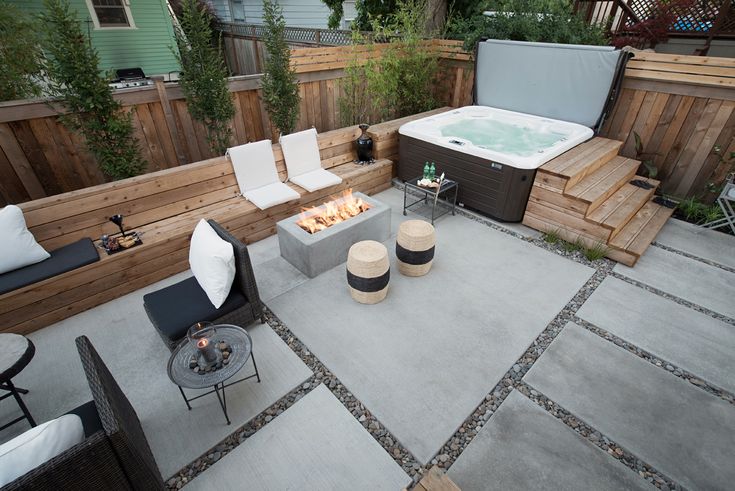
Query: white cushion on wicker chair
212	261
27	451
303	162
256	174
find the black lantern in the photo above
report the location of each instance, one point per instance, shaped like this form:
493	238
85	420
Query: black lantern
118	220
364	146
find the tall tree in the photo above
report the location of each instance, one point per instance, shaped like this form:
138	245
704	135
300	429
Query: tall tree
204	75
21	59
280	86
75	78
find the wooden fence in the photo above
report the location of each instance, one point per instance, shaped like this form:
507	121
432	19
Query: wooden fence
681	106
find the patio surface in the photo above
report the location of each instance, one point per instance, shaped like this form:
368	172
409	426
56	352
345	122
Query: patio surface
507	364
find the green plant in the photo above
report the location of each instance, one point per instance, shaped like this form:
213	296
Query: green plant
695	211
75	78
21	58
647	159
550	21
577	245
280	86
367	11
597	251
400	81
204	75
552	236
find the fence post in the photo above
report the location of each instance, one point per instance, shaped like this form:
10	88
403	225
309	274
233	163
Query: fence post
170	121
318	37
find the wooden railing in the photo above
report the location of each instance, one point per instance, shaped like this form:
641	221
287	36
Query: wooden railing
682	107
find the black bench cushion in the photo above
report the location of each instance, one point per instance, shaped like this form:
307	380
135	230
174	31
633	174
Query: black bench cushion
64	259
175	308
87	412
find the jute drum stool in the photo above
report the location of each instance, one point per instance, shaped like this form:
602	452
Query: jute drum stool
415	247
368	271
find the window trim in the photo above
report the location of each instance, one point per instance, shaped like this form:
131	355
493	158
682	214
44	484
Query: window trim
96	21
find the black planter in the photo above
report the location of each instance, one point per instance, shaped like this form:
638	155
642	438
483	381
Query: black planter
364	146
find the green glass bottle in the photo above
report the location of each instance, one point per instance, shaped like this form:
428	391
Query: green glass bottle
432	171
426	170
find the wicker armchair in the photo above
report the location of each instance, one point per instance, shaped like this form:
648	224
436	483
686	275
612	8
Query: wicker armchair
114	457
167	308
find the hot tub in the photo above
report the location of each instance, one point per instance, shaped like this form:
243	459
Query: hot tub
492	153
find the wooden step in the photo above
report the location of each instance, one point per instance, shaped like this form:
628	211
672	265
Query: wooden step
641	230
436	480
582	160
617	210
596	187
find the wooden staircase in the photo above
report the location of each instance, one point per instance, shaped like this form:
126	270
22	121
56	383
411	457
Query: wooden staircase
586	195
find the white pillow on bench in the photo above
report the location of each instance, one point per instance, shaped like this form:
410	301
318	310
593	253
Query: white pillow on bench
18	247
212	260
27	451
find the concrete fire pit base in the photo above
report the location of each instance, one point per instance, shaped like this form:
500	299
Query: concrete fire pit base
312	254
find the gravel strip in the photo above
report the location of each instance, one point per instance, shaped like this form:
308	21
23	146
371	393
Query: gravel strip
608	445
692	256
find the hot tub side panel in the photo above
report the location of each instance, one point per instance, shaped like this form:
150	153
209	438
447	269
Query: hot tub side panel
500	193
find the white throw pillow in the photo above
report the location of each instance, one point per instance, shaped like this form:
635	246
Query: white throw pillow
18	247
34	447
212	261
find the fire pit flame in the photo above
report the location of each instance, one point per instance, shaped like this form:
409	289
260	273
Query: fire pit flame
337	210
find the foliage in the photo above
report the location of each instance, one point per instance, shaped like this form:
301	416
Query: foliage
552	236
400	81
178	7
597	251
695	211
577	245
647	159
21	58
280	86
204	76
549	21
655	28
726	161
367	12
75	78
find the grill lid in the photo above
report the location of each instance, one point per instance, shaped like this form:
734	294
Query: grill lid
130	73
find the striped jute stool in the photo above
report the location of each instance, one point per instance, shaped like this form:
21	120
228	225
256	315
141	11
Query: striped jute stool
368	271
415	247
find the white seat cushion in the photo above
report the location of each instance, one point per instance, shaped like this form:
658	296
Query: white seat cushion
18	247
301	152
316	179
254	165
212	261
27	451
271	195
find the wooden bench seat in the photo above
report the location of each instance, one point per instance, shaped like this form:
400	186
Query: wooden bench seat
164	206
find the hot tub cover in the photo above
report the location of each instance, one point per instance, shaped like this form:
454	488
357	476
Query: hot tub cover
568	82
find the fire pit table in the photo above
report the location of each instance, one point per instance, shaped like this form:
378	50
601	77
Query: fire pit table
182	374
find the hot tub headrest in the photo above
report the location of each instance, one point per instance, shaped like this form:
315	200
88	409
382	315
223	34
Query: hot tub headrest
561	81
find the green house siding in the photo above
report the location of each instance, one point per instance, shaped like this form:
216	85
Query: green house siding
147	46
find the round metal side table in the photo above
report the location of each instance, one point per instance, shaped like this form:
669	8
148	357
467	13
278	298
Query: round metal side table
184	377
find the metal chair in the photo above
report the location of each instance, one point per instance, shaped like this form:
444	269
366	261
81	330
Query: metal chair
726	200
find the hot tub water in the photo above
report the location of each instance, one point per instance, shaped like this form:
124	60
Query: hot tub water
500	136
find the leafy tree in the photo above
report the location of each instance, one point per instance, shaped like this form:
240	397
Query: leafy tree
204	76
74	77
280	86
21	59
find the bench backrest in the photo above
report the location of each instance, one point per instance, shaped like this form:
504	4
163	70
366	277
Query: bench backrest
61	219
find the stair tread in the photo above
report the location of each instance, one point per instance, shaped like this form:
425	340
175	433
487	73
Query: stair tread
605	180
573	161
617	210
642	229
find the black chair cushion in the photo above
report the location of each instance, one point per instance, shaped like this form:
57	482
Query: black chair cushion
87	412
175	308
64	259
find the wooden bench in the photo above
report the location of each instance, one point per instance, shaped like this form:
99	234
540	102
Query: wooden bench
165	206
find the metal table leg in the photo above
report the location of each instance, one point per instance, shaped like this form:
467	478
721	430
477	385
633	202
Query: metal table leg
15	393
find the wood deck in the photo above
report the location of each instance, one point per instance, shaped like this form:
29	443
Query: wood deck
585	195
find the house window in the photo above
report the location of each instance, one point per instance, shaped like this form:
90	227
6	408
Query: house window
110	13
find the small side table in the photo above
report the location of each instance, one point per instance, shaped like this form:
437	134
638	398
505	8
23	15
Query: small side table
434	193
17	352
183	376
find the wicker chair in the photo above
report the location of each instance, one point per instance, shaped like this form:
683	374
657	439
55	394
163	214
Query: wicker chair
115	456
173	309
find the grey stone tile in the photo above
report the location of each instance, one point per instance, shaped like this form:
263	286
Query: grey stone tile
683	431
692	280
275	277
694	341
315	444
524	447
707	244
264	250
423	359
